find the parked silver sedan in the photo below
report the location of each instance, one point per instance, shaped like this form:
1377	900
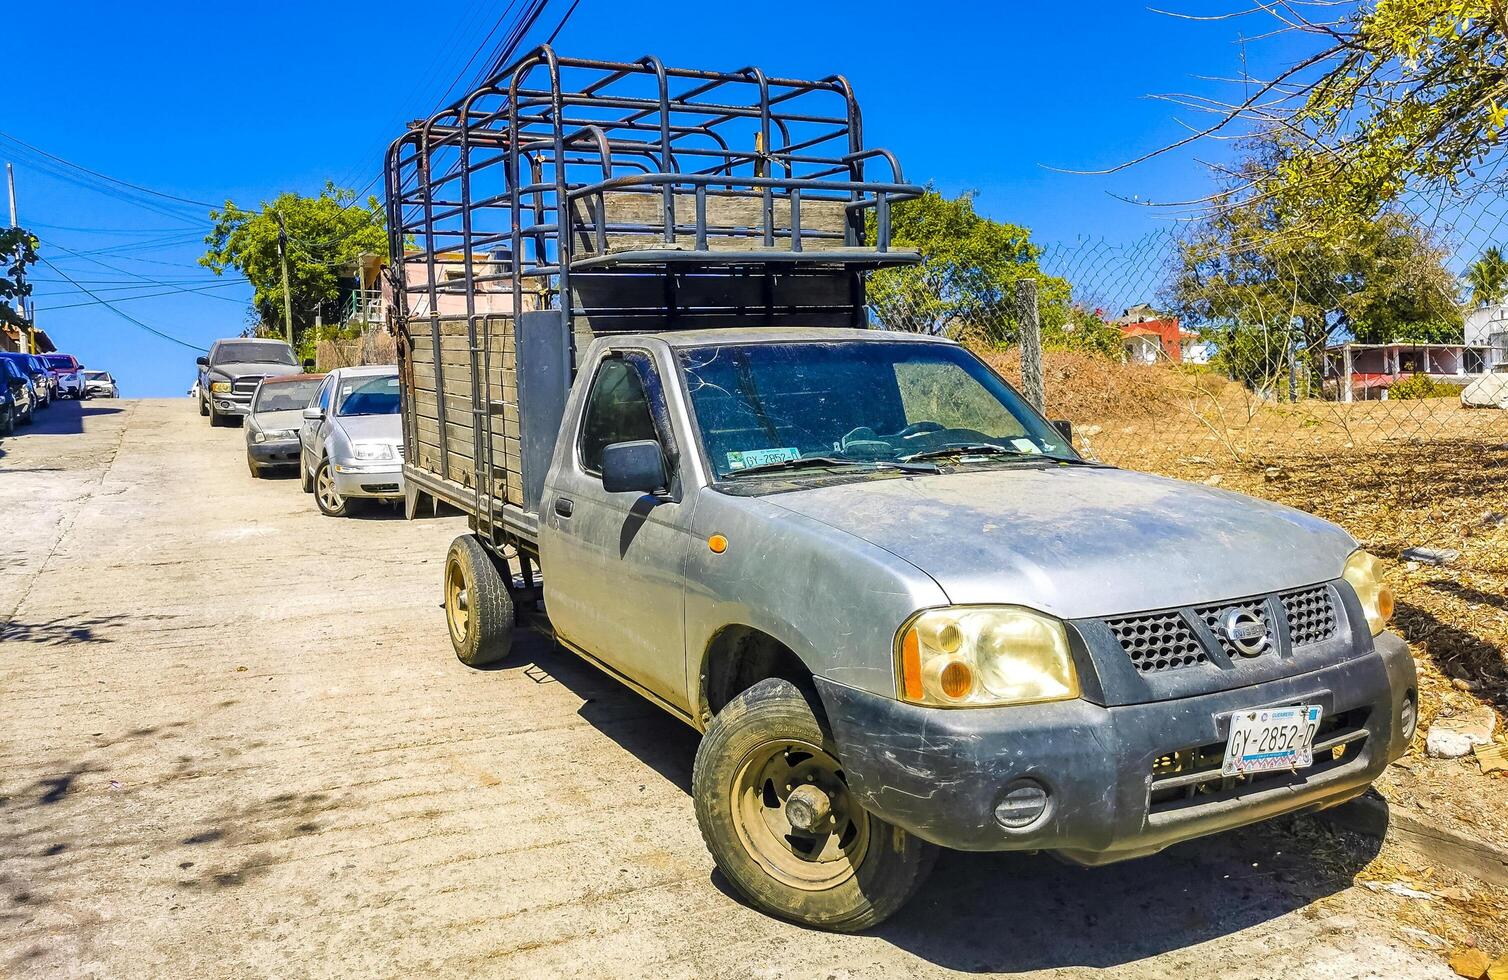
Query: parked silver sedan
351	441
273	419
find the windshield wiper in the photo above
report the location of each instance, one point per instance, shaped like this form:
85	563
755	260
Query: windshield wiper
982	449
805	462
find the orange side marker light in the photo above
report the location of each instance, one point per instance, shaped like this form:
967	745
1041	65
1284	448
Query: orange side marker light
718	544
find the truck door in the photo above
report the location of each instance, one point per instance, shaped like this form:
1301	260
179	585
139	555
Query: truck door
614	563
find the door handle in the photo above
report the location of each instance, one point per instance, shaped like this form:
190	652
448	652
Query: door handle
563	506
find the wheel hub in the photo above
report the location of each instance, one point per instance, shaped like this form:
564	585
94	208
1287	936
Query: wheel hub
795	816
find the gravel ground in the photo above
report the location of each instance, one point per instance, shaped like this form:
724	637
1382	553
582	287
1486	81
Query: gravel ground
237	744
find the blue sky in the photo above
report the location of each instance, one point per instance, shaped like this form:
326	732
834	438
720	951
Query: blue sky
209	102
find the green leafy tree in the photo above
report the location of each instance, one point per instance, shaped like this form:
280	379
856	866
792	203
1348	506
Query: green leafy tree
1384	96
18	250
323	234
1260	272
1488	277
965	284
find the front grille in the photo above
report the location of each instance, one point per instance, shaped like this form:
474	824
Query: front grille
1159	641
1311	616
1190	777
379	488
1214	617
245	386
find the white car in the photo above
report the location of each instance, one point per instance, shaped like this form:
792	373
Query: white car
100	384
351	442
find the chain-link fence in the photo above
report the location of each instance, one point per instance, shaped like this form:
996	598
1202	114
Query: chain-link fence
1388	355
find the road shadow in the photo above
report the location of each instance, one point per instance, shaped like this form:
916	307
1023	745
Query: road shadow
1014	912
65	418
64	629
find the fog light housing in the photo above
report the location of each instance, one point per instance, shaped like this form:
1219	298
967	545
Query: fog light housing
1023	804
1408	717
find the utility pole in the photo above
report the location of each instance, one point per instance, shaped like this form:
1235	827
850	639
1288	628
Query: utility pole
287	295
28	335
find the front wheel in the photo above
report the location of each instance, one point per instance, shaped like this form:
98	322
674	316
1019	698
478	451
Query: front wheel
203	406
327	494
251	464
478	605
776	813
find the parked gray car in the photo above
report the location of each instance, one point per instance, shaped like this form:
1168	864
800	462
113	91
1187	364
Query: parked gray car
351	441
232	370
274	420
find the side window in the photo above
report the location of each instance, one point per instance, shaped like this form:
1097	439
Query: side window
617	410
324	394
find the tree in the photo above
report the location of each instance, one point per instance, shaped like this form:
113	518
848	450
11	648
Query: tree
1488	278
324	233
1392	95
1263	273
965	284
18	249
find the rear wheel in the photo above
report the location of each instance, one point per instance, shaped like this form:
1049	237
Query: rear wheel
327	495
478	606
776	813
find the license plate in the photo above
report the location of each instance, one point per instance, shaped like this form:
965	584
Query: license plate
1271	738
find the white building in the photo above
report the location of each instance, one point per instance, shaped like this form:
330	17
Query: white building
1488	327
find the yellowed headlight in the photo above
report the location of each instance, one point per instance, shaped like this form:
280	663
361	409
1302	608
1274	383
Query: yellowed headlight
1364	572
984	655
219	386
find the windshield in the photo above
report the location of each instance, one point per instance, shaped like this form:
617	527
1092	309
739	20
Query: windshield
285	396
866	402
64	361
94	375
367	395
254	354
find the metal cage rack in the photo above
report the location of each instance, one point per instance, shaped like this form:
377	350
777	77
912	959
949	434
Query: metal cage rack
614	190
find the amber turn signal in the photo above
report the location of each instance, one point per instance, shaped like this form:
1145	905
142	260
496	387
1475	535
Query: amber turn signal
718	544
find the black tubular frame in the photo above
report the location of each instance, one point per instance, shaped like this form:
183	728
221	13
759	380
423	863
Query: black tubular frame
496	201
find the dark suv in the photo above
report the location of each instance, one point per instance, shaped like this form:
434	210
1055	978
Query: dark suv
231	372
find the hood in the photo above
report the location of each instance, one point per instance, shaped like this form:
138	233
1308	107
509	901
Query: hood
270	421
1077	541
237	369
372	428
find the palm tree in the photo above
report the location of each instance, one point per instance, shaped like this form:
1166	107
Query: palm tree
1488	278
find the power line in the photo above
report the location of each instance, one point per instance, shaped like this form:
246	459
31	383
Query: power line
171	292
96	173
106	265
122	313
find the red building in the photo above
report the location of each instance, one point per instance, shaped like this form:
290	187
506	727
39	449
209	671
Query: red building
1149	337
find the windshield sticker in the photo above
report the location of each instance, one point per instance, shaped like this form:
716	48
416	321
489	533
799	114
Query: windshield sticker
759	457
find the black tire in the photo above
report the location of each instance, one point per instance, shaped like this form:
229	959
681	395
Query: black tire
251	464
215	418
329	500
305	481
8	422
203	406
480	617
870	868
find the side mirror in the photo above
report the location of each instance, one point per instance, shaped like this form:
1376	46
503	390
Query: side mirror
202	361
1065	429
308	365
313	413
633	467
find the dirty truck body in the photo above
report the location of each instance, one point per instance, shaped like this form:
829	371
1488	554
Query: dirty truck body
904	612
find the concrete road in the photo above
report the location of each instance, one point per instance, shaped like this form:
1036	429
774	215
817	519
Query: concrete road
236	743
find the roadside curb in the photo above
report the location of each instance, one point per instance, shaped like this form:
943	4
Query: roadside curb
1370	814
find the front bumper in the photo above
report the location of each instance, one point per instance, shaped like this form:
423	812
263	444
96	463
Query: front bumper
383	480
284	453
230	404
939	773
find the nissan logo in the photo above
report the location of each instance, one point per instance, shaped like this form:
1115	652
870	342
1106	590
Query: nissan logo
1244	631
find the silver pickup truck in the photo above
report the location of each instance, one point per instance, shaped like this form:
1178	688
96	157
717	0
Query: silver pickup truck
903	611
